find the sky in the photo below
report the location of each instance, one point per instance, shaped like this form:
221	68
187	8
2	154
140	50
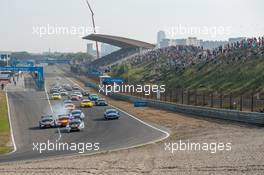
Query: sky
59	25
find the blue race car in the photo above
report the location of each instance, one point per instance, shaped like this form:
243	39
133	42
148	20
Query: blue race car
93	97
111	114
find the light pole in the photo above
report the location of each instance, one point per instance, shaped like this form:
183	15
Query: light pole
94	28
7	60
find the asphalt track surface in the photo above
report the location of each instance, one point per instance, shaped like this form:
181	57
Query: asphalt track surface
26	108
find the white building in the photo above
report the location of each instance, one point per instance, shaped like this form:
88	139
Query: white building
193	41
238	39
212	44
172	42
90	50
164	43
160	37
181	42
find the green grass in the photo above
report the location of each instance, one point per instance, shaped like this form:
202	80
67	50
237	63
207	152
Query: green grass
232	78
229	77
4	125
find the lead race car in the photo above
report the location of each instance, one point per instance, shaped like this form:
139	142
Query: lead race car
111	114
47	121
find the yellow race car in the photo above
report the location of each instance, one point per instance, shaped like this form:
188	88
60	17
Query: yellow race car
56	96
86	103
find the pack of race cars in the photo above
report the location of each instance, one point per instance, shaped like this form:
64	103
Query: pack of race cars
73	119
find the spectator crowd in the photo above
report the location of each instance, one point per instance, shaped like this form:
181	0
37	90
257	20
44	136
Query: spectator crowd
180	56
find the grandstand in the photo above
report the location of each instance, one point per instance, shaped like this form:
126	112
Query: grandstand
128	48
230	68
181	56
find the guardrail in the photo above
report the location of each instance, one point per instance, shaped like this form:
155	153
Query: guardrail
232	115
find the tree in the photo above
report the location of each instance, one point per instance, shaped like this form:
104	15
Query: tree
122	69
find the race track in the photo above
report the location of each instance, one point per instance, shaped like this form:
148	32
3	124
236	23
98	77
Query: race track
26	108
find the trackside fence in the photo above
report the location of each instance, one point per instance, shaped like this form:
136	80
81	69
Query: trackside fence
169	103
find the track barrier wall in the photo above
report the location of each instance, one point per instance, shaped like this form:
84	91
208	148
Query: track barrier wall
225	114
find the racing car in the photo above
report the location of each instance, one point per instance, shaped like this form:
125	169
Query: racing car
63	120
77	114
86	103
79	94
75	97
75	125
66	101
76	87
93	97
47	122
111	114
67	87
56	96
69	106
63	92
54	90
101	102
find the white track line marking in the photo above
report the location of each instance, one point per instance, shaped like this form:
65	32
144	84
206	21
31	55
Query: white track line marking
10	124
58	139
119	149
141	121
145	123
48	100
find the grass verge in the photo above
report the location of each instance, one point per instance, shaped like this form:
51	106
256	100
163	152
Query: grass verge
4	126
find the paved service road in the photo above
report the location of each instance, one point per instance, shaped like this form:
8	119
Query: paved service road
26	108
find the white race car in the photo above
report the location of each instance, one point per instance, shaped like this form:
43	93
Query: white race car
75	125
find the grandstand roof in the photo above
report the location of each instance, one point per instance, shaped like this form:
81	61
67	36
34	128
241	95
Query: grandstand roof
119	41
